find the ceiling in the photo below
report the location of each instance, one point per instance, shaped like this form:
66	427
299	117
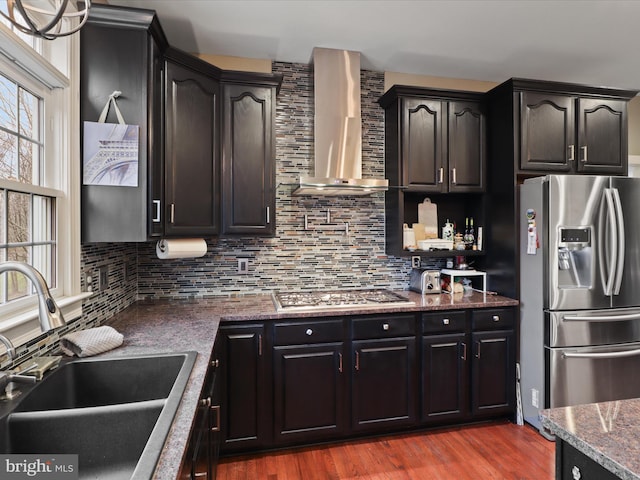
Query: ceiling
590	42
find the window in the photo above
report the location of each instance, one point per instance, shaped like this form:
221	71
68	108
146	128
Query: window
39	178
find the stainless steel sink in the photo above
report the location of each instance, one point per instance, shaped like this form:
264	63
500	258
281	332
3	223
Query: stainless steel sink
114	413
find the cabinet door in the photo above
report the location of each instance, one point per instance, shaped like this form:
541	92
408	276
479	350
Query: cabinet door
244	398
467	147
445	377
384	386
191	152
602	136
248	156
547	132
423	166
308	392
493	373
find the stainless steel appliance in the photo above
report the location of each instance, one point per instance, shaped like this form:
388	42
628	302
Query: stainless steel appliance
338	299
579	291
424	281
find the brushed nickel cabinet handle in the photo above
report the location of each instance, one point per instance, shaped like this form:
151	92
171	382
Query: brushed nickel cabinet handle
156	217
309	331
216	409
357	360
441	179
464	351
260	344
340	362
496	318
584	154
268	216
385	326
205	402
172	213
215	363
445	321
478	351
454	176
572	153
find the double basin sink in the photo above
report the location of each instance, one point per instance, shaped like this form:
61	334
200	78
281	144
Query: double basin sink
114	413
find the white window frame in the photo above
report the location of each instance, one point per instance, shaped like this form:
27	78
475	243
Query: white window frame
18	61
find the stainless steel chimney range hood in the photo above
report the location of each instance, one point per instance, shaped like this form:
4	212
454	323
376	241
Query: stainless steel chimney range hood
337	128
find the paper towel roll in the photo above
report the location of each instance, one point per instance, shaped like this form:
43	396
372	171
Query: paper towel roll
181	248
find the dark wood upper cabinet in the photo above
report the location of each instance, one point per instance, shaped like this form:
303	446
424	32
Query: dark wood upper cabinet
204	168
572	134
435	140
467	146
421	145
248	159
191	151
121	49
602	136
547	126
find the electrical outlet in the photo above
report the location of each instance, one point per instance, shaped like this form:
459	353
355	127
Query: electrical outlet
103	278
415	261
243	266
534	398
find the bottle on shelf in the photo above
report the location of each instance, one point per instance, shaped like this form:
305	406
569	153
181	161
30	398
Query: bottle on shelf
472	236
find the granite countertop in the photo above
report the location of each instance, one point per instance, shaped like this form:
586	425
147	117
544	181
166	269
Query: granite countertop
169	325
606	432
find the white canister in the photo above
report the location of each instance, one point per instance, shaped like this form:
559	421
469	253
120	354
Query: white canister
408	237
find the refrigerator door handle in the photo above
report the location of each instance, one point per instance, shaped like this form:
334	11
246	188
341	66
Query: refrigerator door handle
612	250
622	354
601	318
621	241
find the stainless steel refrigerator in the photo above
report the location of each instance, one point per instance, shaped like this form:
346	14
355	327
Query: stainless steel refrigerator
579	291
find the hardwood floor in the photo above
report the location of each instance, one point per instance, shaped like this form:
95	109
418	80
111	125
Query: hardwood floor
497	450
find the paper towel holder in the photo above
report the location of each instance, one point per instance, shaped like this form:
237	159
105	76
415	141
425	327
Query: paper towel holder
181	248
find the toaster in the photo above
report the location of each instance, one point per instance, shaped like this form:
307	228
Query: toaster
424	281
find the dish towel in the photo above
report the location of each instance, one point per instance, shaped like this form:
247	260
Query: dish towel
92	341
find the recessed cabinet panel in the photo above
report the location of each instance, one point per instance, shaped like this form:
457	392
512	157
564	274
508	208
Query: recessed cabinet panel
191	152
383	383
602	136
548	132
248	160
445	374
422	144
467	147
309	392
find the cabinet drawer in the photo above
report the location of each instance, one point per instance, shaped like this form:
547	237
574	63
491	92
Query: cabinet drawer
387	326
292	333
491	319
444	322
576	464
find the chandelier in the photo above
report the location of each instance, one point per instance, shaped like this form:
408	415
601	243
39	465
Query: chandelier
47	19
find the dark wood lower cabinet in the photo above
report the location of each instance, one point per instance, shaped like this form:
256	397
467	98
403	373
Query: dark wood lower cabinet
572	464
309	391
383	383
493	372
301	381
445	374
245	405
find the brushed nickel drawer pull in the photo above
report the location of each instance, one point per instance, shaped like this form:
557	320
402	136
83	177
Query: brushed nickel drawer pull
572	149
205	402
385	326
496	318
445	321
584	156
357	360
215	363
260	345
309	331
464	351
441	179
340	362
455	178
156	204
